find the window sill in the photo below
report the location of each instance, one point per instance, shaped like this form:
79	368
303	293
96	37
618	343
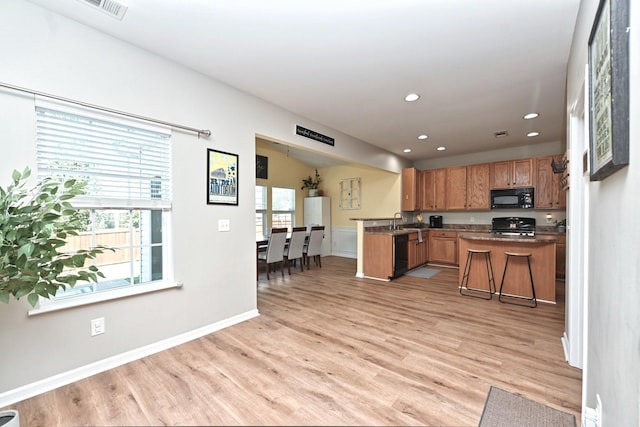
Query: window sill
47	306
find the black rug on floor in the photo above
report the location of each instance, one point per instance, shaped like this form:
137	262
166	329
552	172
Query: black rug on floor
505	409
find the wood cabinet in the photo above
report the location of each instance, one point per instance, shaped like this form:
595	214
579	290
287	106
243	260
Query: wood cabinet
433	186
443	247
417	249
378	255
468	187
548	189
411	190
512	174
456	188
478	191
561	256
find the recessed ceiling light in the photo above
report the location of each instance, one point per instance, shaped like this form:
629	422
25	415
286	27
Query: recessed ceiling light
533	134
441	148
530	116
423	136
407	150
412	97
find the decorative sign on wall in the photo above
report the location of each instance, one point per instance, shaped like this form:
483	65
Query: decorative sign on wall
314	135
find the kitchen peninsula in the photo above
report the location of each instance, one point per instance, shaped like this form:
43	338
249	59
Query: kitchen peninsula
360	228
543	263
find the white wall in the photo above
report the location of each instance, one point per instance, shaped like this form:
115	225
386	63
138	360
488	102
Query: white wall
612	359
49	53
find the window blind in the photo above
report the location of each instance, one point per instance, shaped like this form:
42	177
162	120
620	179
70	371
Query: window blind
125	164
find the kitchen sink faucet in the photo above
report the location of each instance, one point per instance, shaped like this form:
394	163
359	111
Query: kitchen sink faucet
395	216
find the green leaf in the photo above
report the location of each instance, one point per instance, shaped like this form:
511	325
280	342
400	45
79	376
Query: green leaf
33	299
22	291
26	249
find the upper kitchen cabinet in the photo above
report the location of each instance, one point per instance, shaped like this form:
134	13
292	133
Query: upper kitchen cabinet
478	186
512	174
456	184
434	187
549	192
411	191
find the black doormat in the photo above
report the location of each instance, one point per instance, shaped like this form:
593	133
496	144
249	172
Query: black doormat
505	409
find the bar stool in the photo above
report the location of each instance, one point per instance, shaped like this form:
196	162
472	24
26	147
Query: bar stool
516	297
467	269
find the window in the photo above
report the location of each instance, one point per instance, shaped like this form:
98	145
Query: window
283	207
127	165
261	210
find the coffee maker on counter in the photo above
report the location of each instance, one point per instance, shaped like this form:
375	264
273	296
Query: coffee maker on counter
435	221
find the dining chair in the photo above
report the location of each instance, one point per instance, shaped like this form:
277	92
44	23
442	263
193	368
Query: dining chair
275	250
293	249
313	248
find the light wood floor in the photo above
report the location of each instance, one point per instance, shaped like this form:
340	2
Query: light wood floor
330	349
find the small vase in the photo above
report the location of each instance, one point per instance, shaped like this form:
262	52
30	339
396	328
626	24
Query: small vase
562	228
313	192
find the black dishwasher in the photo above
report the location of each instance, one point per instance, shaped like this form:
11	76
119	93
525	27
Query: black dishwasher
400	254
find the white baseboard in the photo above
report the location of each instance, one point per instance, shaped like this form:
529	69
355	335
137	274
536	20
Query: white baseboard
565	345
345	254
21	393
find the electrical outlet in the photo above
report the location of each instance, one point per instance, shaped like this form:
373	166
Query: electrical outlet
97	326
472	219
224	225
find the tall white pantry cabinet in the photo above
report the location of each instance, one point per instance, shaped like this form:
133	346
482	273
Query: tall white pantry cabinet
317	210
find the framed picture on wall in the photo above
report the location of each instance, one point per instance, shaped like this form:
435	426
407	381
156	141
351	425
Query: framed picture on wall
262	167
609	89
222	178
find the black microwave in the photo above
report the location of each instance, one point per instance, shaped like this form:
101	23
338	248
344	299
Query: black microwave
512	198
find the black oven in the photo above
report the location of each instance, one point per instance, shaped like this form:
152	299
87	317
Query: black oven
512	198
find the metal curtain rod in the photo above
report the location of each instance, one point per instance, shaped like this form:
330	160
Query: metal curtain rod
200	132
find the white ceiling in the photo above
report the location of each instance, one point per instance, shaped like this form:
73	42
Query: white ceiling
479	66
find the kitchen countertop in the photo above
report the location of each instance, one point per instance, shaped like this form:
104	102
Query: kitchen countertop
483	229
545	238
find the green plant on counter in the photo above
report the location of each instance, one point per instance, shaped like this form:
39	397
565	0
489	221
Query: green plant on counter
562	222
34	224
311	183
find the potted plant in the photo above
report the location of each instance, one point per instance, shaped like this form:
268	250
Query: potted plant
312	184
34	226
562	225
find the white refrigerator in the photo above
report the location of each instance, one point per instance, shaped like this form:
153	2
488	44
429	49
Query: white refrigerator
317	210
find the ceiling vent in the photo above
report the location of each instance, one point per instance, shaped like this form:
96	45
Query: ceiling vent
501	133
110	7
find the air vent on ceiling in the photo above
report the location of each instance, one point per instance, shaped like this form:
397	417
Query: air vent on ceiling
501	133
110	7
